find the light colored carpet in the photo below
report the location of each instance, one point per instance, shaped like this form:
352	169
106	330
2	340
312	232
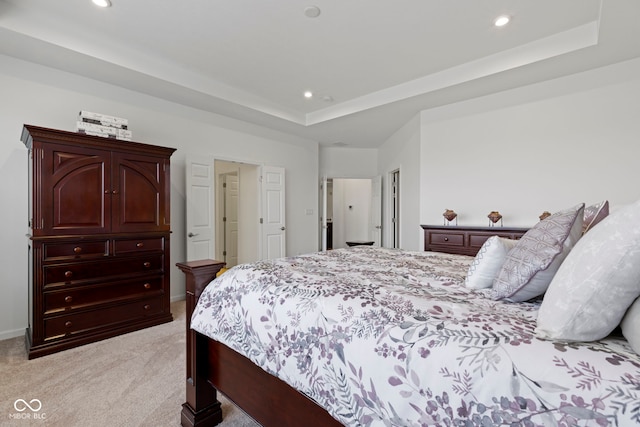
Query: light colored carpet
135	379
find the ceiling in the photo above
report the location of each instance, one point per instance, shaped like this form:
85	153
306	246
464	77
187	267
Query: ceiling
371	64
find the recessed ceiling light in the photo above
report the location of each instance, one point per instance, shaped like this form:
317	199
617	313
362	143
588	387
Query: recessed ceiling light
308	94
312	11
501	21
102	3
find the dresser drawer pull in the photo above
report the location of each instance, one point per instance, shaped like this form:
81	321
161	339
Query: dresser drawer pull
147	264
139	244
147	285
446	239
147	307
77	249
68	324
68	274
68	298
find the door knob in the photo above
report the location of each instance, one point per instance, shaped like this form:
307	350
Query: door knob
192	235
282	228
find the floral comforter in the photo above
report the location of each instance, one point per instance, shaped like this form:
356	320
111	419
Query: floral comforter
384	337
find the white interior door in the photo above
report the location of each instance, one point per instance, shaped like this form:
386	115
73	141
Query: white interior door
231	220
200	208
273	213
375	224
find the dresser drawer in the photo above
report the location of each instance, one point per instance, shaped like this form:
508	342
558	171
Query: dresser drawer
73	273
87	296
75	250
464	240
128	246
449	239
85	322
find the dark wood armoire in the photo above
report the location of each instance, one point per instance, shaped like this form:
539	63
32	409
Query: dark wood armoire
98	238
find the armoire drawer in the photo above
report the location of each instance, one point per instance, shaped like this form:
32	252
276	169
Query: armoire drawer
75	250
128	246
88	296
67	325
82	271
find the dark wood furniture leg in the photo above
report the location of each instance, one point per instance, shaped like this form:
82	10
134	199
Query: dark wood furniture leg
202	408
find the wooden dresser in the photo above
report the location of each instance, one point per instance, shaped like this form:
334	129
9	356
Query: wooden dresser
464	240
98	238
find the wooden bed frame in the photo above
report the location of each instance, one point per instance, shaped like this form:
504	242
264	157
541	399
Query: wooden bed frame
213	367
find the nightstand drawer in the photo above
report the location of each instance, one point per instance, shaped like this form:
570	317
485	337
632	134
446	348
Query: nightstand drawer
449	239
87	296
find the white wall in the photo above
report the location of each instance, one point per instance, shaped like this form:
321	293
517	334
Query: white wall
545	147
402	152
46	97
345	162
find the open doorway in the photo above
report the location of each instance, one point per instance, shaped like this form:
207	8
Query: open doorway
237	211
227	194
352	210
395	208
244	217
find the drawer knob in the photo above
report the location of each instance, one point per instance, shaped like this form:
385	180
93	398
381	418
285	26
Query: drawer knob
68	324
147	307
68	298
139	245
446	239
77	249
68	274
147	264
147	285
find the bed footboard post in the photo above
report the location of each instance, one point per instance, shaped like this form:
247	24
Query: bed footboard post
202	407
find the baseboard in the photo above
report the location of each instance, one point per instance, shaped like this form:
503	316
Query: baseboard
175	298
5	335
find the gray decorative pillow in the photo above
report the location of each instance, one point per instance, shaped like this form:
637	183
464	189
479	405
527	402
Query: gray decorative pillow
532	263
594	214
631	325
597	282
488	261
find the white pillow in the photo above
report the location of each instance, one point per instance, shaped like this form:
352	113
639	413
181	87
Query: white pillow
631	326
532	263
488	261
597	282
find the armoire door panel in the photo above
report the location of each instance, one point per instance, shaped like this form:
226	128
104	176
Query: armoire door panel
75	199
138	199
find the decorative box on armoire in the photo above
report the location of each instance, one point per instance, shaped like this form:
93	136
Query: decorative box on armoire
98	238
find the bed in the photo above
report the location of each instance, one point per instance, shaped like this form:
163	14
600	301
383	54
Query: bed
378	337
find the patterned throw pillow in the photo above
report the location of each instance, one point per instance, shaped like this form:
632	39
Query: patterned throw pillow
598	281
594	214
532	263
488	261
